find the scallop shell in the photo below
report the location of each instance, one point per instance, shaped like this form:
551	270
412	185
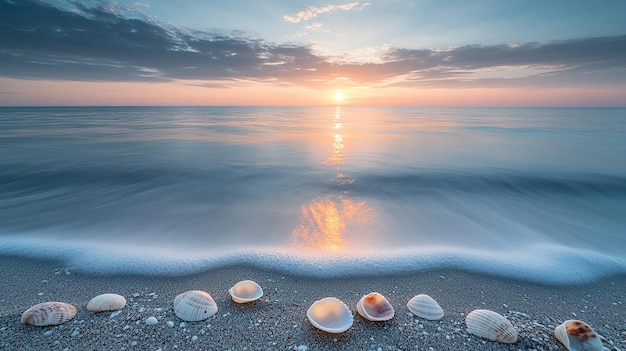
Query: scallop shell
491	325
194	305
330	315
48	313
106	302
425	306
375	307
245	291
577	335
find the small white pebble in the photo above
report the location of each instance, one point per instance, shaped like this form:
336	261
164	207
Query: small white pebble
40	294
47	333
170	324
194	338
113	314
151	320
182	324
133	343
301	348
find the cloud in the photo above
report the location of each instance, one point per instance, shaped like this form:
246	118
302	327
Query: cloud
80	43
313	11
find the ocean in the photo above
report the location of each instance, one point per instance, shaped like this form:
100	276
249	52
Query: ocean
528	193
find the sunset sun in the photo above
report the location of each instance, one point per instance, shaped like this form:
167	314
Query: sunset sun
339	96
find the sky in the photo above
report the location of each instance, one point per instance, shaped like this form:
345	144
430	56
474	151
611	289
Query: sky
276	52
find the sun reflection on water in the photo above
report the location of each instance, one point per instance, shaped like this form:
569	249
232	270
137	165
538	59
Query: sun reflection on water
334	223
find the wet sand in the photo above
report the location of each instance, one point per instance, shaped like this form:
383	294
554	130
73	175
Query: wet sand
278	320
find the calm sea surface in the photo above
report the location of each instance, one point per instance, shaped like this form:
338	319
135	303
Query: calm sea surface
534	193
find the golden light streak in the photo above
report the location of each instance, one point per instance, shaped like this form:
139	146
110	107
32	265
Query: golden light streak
334	224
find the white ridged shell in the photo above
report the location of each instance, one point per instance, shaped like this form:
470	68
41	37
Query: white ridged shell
425	306
194	305
245	291
330	315
577	335
48	313
106	302
375	307
491	325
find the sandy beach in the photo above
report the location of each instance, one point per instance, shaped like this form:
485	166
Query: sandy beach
278	320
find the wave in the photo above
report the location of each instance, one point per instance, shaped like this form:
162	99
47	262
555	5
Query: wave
486	183
17	180
546	264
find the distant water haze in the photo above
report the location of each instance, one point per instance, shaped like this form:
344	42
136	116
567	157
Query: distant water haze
325	191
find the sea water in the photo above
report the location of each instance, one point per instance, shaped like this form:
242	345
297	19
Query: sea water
531	193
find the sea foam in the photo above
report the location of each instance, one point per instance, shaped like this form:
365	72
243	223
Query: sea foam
548	264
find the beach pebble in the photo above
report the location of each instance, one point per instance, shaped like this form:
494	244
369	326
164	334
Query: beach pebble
151	320
170	324
114	314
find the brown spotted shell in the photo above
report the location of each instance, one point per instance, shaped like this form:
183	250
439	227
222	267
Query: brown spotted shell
48	313
577	335
375	307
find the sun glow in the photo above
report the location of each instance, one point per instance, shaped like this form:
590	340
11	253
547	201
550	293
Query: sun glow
339	96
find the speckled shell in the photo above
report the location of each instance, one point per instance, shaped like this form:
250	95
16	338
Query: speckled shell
491	325
48	313
330	315
425	306
106	302
577	335
245	291
375	307
194	305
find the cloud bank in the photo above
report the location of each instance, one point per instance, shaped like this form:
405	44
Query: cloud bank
101	43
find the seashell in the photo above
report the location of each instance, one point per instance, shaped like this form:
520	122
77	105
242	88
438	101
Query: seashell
48	313
245	291
375	307
194	305
330	315
577	335
491	325
106	302
425	306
